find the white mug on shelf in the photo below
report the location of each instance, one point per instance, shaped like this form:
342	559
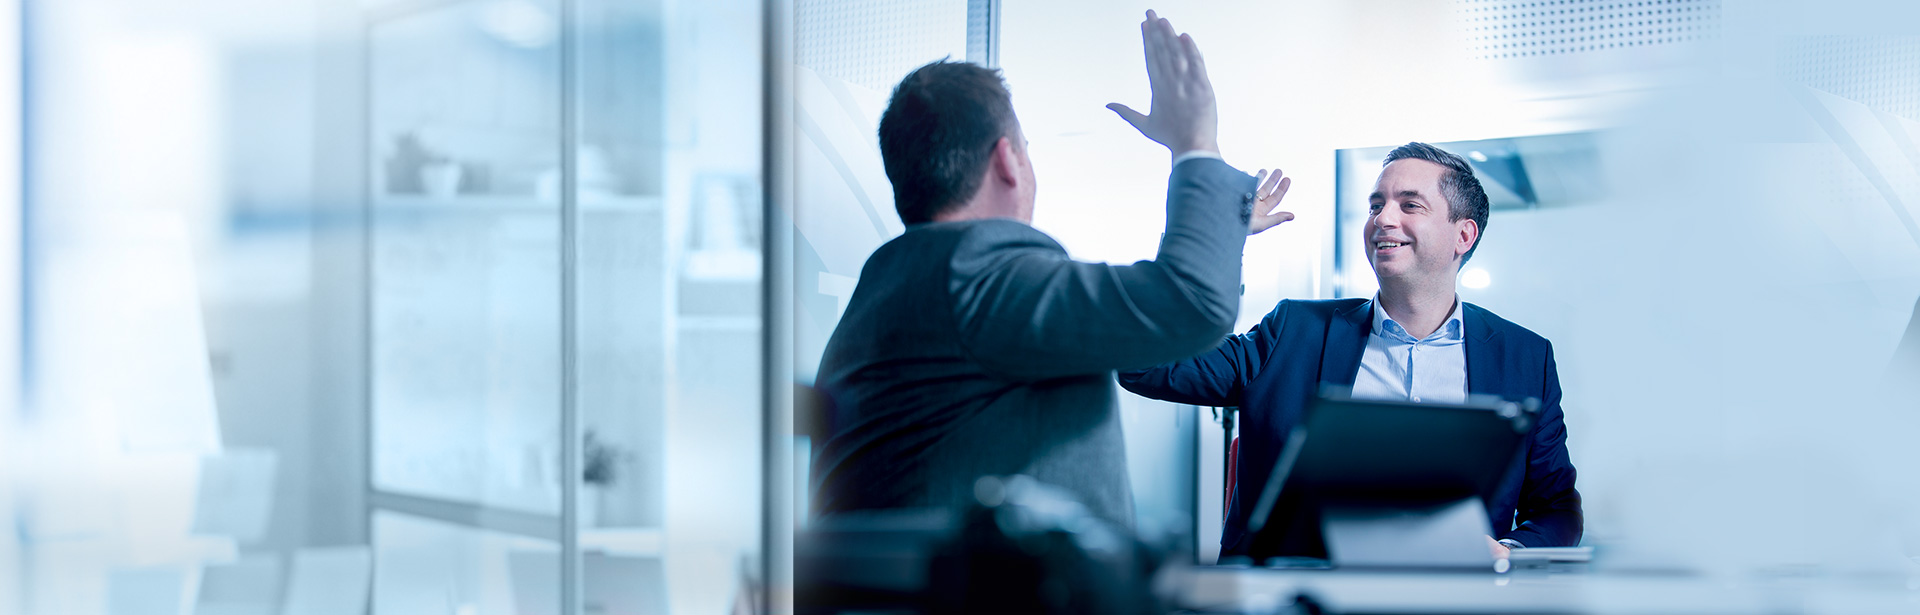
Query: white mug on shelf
440	179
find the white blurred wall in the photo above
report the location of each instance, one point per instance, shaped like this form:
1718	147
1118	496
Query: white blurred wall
192	129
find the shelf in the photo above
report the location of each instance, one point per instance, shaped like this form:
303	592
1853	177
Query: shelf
494	203
687	322
627	541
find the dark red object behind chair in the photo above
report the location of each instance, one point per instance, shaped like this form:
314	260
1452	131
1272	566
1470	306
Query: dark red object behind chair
1233	475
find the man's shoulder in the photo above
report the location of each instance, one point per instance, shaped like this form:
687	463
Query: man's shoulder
946	240
982	245
1320	309
977	235
1302	316
1514	333
999	229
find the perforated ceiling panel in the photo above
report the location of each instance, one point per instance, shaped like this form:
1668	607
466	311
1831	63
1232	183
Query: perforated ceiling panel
873	43
1881	72
1523	28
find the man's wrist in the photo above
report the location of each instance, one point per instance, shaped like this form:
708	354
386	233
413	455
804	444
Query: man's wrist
1211	147
1185	155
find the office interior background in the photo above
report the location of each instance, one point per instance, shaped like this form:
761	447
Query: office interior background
481	307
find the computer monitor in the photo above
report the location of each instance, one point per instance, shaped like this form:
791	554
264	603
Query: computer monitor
1352	454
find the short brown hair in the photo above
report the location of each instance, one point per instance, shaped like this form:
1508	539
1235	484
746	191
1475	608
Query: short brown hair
938	134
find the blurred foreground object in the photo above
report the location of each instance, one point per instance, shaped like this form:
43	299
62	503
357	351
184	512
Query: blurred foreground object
1023	546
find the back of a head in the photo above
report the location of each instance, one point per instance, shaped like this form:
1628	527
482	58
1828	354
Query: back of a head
1465	197
938	133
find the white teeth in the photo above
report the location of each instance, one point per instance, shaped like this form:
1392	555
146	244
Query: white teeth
1387	244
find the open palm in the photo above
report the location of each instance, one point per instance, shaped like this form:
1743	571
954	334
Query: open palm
1266	203
1183	116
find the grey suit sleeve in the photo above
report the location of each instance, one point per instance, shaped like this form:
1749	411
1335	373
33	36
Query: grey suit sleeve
1027	311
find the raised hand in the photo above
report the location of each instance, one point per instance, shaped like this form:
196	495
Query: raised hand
1183	116
1266	201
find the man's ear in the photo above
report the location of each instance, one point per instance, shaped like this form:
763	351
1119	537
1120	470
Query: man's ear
1469	235
1005	165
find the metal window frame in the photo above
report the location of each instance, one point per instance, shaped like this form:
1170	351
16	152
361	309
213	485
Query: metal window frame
776	294
983	32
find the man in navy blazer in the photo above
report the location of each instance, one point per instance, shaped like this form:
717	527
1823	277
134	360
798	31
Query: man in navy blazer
1414	341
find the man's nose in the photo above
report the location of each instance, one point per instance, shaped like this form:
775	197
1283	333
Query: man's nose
1387	218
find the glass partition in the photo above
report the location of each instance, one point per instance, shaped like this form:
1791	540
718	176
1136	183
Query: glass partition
666	213
465	255
565	274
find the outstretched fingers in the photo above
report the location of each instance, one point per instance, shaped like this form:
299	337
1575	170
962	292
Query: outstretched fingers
1279	193
1173	51
1136	118
1270	182
1193	55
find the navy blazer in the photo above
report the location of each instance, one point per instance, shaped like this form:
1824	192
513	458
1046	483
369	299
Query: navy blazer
1275	370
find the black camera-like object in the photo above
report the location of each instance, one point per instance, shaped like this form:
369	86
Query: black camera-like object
1020	547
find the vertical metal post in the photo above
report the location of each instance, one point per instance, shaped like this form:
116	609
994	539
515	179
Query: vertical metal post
993	34
1340	172
776	300
570	588
1226	443
983	32
368	221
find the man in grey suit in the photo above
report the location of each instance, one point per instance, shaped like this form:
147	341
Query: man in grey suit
974	346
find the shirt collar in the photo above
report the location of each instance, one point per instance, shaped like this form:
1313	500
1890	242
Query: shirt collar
1384	325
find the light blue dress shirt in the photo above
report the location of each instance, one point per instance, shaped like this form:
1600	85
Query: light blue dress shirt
1397	367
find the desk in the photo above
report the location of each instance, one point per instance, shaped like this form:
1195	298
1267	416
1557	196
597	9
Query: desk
1217	589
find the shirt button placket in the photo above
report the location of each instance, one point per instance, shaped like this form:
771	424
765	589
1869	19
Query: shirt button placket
1413	378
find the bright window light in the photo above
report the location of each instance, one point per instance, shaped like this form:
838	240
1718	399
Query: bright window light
1475	278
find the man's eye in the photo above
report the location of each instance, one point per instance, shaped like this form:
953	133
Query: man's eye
1374	208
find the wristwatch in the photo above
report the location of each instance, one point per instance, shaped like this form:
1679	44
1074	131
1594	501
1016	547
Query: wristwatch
1511	543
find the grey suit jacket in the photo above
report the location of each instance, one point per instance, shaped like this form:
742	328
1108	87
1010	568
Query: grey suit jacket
979	347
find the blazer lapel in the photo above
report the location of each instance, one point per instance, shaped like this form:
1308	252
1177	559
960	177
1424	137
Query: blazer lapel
1346	341
1485	354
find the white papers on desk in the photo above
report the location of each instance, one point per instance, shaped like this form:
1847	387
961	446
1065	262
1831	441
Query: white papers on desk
330	581
235	495
1552	554
1450	536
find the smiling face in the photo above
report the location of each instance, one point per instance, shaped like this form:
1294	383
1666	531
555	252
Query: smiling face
1410	235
